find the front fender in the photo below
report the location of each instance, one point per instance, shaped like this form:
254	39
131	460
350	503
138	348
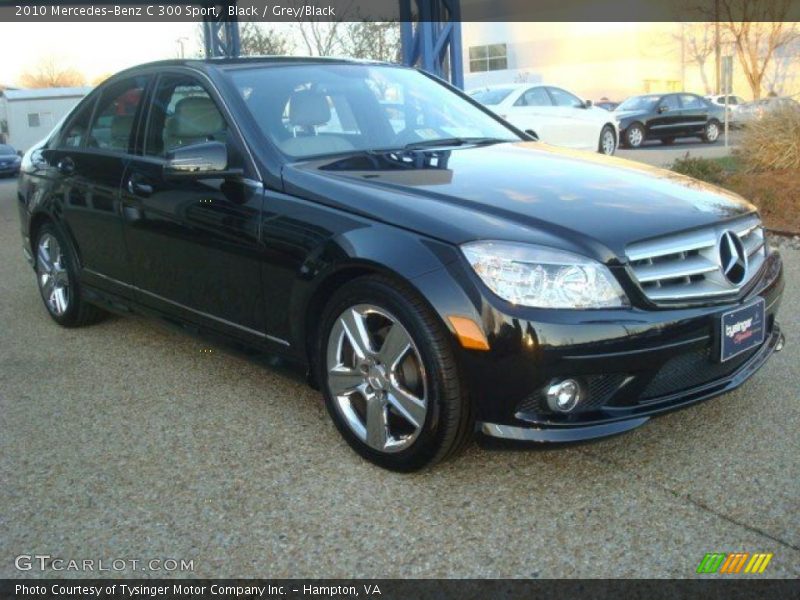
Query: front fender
418	261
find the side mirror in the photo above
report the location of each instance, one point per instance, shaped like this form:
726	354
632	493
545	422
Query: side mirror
587	104
663	108
205	159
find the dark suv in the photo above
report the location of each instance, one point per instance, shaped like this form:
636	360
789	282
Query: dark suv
437	272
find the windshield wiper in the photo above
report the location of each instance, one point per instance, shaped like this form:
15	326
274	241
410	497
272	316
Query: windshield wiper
455	141
438	143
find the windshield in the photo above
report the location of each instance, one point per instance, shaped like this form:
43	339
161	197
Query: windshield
491	97
639	103
314	110
5	150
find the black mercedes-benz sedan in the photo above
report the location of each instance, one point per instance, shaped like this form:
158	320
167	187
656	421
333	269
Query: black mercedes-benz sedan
436	271
665	117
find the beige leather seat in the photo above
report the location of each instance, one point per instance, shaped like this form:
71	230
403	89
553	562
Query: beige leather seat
308	110
196	119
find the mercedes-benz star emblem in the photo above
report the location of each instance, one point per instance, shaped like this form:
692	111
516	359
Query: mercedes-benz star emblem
733	258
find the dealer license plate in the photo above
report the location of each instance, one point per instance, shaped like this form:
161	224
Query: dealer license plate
742	329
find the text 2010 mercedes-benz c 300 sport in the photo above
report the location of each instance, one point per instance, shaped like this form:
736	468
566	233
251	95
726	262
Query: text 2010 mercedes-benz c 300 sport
436	271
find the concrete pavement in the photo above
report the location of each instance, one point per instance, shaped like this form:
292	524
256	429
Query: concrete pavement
657	154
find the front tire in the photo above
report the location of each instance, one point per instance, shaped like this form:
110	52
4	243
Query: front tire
711	132
389	376
57	278
634	136
608	141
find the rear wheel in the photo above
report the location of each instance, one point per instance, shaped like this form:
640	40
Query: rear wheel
608	141
389	376
634	135
58	280
711	132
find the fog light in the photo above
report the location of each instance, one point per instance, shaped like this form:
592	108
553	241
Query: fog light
779	344
564	395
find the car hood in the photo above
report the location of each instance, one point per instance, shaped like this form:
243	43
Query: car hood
525	191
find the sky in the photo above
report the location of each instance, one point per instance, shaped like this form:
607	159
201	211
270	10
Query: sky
93	48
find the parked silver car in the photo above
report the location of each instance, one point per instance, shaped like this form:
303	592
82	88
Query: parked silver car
752	111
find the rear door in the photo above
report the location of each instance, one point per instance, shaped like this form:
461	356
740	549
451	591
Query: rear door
194	240
694	112
90	159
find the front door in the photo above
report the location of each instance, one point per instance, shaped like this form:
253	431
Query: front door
534	111
668	121
577	127
193	239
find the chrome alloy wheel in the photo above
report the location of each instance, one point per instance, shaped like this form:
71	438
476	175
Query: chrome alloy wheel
376	378
608	142
52	275
712	132
635	137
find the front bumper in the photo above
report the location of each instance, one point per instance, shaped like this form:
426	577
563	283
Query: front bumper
635	363
639	415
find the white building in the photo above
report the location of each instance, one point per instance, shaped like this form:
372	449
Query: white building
612	60
26	116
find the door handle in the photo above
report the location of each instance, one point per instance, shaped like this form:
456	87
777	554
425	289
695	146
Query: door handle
138	188
66	165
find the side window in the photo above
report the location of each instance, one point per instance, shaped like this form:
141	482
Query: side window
536	96
75	134
689	101
112	128
671	102
183	113
564	98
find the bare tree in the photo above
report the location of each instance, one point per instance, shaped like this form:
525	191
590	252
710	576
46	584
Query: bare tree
758	31
783	71
372	40
255	40
698	44
322	37
49	73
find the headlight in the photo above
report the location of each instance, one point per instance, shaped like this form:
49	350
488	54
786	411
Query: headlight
542	277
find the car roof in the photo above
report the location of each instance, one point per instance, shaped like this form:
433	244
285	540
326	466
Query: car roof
252	61
515	86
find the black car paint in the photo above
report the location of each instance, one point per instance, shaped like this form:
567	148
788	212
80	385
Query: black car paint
254	257
673	123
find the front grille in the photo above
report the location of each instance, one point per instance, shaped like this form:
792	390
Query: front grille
686	266
689	370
